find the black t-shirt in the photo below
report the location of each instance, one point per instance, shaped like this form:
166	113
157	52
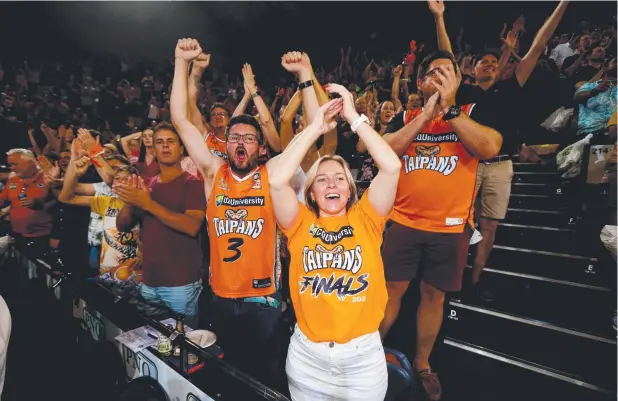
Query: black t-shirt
503	105
583	73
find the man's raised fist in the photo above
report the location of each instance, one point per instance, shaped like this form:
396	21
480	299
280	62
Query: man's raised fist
188	49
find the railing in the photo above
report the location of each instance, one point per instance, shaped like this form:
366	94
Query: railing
112	306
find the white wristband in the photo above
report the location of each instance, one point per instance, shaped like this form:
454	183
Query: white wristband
362	119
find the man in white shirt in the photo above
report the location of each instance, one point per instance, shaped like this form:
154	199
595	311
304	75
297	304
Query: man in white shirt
564	50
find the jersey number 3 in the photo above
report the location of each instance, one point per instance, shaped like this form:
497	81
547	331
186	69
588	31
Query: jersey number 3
235	244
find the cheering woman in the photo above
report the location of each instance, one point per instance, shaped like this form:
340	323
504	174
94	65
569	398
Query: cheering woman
336	273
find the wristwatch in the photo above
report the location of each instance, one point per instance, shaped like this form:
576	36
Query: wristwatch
357	123
452	112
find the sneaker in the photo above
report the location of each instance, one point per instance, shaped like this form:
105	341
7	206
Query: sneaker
615	322
431	384
476	237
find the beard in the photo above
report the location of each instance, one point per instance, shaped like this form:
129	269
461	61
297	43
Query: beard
246	166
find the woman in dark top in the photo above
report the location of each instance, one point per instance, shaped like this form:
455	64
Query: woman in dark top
147	163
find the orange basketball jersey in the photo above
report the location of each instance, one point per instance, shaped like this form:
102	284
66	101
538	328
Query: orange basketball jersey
216	145
243	235
437	184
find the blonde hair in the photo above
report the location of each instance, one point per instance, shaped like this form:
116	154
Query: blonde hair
313	171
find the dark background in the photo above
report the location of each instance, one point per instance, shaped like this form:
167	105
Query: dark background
259	32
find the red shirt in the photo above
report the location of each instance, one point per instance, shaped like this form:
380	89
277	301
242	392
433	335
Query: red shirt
171	258
28	222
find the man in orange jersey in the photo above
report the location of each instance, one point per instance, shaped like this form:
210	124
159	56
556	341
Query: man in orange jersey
28	194
431	221
213	132
244	268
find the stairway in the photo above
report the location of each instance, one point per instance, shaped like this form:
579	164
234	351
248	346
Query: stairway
548	334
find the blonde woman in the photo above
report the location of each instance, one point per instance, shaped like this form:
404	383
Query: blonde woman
336	274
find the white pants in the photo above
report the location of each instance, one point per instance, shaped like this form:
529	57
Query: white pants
5	333
329	371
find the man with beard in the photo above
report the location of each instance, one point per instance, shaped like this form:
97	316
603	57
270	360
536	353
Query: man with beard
244	266
170	210
505	99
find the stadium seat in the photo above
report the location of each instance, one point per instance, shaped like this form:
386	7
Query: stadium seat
400	376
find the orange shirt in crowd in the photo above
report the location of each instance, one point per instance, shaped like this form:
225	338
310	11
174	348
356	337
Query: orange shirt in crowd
437	184
336	273
216	145
28	222
243	233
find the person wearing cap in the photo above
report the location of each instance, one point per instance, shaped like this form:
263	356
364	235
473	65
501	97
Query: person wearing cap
505	98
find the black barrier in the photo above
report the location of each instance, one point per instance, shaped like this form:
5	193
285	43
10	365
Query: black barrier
126	317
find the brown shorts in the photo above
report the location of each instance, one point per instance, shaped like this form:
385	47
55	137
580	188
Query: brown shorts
441	257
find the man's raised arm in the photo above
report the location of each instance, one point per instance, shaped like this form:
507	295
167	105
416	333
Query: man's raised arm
186	51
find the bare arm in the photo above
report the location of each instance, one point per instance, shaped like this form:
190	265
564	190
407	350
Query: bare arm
53	142
67	194
481	141
582	96
105	171
310	98
285	202
396	87
187	223
242	105
437	9
268	125
401	140
195	115
192	138
84	189
383	187
329	145
125	141
266	120
406	75
286	130
528	62
89	144
273	105
127	218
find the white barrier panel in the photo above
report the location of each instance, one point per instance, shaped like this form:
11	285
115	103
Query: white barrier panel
143	363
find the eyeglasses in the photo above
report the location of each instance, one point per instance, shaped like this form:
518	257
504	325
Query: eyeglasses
432	73
246	138
222	114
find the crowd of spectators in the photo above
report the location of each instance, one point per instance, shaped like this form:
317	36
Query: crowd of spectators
80	143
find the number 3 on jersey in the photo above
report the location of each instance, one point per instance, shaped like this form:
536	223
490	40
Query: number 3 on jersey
235	244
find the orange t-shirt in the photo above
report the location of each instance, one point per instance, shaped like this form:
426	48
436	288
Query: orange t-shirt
25	221
216	145
243	235
336	273
437	184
